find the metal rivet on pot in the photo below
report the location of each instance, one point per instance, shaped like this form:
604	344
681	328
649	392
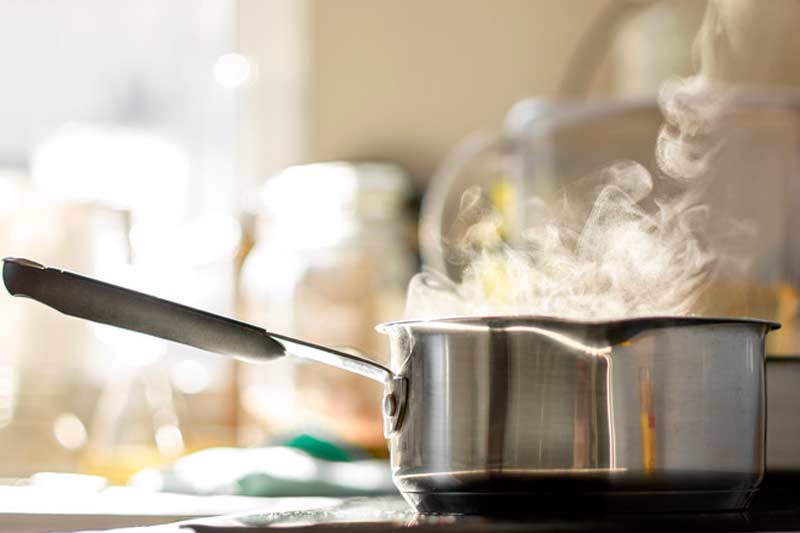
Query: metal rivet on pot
389	405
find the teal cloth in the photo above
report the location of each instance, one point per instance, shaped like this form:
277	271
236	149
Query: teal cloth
298	465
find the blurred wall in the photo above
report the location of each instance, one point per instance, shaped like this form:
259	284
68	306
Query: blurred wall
274	34
387	79
408	80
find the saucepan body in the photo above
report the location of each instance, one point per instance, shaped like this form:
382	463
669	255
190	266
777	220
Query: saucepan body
646	414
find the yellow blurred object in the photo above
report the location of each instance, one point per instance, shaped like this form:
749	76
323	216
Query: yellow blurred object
778	301
124	462
647	419
503	195
493	275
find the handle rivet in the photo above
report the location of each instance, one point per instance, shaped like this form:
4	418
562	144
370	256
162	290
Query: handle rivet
389	405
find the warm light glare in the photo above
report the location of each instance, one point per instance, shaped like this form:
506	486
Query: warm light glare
10	192
150	479
121	167
8	394
69	431
69	486
285	198
364	475
134	349
213	469
233	70
203	240
169	440
190	377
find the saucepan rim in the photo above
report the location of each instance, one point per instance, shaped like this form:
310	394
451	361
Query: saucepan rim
510	321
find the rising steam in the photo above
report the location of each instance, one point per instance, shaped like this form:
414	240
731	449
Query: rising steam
618	259
621	243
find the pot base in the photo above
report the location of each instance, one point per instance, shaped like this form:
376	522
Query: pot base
543	504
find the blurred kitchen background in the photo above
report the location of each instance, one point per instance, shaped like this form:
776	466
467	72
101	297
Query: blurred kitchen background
273	160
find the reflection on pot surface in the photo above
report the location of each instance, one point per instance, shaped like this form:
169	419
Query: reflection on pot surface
664	407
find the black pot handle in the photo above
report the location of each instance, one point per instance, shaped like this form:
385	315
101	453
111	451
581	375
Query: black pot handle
83	297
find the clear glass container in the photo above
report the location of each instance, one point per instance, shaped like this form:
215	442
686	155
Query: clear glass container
158	400
332	259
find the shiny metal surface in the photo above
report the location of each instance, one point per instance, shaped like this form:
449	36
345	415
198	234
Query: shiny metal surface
335	358
395	387
667	412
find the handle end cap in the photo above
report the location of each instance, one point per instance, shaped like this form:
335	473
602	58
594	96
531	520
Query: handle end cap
23	262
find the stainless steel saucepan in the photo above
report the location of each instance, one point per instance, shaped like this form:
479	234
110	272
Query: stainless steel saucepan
519	414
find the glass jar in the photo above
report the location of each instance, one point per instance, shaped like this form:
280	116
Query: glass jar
332	259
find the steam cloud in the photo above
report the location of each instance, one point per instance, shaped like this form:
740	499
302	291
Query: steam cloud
620	243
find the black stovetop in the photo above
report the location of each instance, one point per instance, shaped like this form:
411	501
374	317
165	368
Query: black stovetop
773	512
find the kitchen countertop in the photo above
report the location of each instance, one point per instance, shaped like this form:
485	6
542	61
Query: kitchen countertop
27	508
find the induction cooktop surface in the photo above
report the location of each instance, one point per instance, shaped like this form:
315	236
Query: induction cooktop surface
392	513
